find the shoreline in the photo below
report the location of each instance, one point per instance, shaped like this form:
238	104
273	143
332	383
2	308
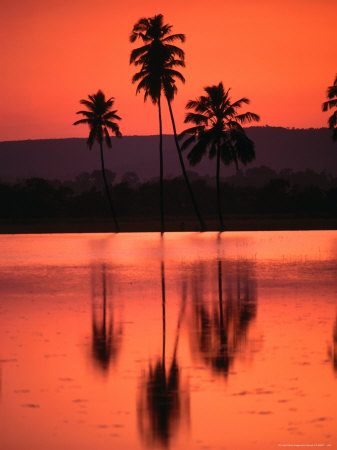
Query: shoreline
172	224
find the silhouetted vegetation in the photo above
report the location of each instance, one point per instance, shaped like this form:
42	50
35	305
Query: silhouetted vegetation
217	131
329	104
159	60
106	334
257	191
160	405
220	330
100	119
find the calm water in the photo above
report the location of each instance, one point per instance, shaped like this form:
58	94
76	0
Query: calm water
194	341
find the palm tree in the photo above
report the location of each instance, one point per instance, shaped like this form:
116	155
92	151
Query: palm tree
159	59
101	119
332	103
218	131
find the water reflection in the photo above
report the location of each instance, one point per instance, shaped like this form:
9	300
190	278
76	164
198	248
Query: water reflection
219	329
163	403
333	349
106	335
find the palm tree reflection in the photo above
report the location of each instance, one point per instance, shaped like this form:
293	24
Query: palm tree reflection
333	350
220	333
106	336
163	403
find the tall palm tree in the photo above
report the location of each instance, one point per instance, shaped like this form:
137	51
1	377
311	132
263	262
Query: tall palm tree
159	60
218	131
329	104
101	119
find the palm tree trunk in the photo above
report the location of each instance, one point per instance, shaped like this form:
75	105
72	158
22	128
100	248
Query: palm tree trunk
218	188
202	224
107	190
104	301
162	223
164	315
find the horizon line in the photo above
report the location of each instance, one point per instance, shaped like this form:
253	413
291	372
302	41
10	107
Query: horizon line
164	134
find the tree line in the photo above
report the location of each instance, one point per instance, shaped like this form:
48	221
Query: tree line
258	191
217	126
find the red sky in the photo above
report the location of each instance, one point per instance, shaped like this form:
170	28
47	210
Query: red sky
280	54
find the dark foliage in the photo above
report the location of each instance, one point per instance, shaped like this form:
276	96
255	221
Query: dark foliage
258	191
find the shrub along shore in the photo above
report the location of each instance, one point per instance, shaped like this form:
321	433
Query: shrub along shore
294	201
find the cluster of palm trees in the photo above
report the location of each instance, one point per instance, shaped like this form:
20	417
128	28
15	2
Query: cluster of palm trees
217	127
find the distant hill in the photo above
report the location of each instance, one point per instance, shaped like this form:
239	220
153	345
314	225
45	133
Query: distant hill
64	159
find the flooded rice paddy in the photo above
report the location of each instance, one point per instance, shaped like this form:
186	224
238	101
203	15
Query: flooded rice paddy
191	341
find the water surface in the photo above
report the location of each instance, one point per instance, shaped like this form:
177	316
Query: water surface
193	341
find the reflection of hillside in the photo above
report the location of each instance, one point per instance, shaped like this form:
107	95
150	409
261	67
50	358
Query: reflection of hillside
106	336
219	328
163	404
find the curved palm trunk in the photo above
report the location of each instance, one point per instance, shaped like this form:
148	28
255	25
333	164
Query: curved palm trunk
164	316
107	190
218	188
187	181
162	222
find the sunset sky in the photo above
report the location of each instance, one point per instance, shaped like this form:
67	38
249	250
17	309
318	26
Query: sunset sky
280	54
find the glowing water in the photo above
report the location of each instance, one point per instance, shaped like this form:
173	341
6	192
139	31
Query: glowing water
191	341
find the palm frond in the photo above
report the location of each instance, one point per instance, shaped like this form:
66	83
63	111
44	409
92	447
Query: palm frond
113	127
175	37
329	104
333	120
191	104
196	118
187	142
198	150
138	52
175	51
89	114
82	121
111	115
88	104
239	102
232	124
332	90
193	130
243	146
247	117
174	74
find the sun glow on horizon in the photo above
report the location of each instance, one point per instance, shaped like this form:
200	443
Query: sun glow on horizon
281	56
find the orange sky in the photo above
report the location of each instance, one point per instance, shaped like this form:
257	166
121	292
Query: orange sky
281	55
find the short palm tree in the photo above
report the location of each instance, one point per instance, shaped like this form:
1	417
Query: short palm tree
159	59
101	119
218	132
329	104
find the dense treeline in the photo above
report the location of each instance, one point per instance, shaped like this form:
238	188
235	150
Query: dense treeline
257	191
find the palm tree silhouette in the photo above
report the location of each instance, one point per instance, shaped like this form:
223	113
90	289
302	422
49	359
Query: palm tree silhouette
101	119
160	408
106	337
218	131
332	350
329	104
220	334
159	60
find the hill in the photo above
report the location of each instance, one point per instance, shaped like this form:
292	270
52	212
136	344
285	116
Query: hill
63	159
